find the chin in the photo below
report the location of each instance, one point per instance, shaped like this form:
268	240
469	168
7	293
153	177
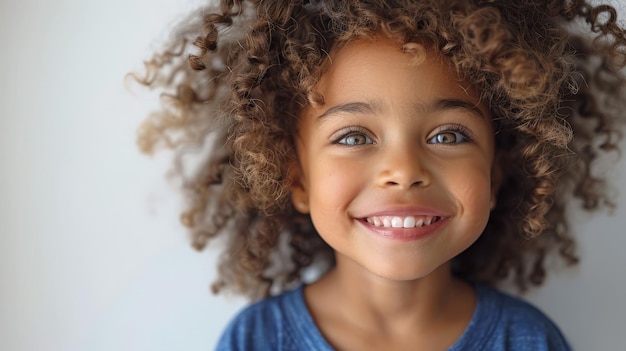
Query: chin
406	272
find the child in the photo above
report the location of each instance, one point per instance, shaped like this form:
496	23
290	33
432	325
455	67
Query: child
413	154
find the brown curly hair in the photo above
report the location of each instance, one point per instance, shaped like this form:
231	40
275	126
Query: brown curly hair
551	72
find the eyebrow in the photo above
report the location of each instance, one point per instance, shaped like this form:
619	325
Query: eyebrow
358	107
451	104
370	107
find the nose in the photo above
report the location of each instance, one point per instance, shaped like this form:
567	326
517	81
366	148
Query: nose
403	166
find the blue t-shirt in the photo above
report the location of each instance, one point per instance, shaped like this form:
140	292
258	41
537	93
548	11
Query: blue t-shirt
499	322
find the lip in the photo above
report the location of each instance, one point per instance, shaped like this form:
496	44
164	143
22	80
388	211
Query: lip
405	234
404	211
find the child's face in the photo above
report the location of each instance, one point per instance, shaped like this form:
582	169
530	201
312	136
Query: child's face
397	143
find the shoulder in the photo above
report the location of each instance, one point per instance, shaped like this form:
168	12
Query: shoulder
280	322
505	322
257	326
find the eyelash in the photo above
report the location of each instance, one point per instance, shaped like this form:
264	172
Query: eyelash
463	131
454	128
353	131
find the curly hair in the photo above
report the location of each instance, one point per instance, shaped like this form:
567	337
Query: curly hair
551	71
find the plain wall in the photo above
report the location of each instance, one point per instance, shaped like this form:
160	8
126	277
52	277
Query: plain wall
92	256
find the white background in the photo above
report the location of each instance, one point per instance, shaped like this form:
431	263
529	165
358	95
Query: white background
91	253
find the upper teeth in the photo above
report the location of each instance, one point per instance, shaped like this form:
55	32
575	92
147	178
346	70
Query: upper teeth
402	222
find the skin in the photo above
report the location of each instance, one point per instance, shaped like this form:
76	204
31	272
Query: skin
396	136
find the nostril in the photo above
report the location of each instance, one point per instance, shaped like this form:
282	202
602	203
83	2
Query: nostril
395	183
403	177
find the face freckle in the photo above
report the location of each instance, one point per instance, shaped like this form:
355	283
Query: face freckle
396	167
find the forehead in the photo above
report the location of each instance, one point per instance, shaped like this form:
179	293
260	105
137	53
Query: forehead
386	67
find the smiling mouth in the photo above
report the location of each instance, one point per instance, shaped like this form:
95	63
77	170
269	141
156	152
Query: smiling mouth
402	222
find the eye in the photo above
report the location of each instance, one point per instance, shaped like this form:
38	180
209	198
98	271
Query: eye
355	138
452	135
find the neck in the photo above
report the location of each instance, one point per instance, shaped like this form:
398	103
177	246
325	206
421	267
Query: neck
382	300
392	306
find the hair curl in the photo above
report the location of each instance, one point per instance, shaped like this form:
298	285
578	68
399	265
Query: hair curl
555	91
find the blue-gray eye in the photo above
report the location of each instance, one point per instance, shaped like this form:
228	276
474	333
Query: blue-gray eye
355	139
448	137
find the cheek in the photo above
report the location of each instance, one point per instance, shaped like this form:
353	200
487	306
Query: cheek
334	185
472	190
332	190
475	187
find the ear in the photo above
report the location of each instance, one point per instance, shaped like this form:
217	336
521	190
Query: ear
298	189
497	177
